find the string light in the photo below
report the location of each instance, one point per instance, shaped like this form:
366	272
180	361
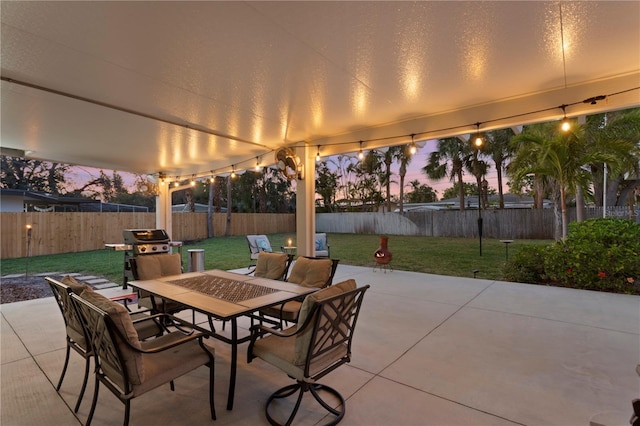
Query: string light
258	164
413	149
176	184
565	124
233	171
193	180
478	141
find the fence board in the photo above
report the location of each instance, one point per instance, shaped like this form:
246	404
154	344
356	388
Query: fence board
72	232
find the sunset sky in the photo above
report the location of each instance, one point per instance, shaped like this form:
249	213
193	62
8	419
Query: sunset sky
80	174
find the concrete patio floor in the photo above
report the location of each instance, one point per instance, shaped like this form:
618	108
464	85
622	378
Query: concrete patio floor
428	350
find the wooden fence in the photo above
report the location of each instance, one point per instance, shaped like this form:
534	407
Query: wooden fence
72	232
54	233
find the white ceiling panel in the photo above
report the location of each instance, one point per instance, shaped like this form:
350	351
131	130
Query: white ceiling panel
188	87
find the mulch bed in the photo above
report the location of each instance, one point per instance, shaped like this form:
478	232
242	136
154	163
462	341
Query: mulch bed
23	288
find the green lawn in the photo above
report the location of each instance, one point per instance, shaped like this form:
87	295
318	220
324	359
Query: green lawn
443	256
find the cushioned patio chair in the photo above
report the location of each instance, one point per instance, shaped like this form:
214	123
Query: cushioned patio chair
75	334
323	249
308	272
320	343
274	266
151	267
257	244
130	368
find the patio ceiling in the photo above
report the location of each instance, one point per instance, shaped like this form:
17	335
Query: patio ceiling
187	88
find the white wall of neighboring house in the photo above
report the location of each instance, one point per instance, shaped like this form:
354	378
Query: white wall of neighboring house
11	204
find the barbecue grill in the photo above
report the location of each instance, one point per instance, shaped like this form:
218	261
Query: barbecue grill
147	241
143	242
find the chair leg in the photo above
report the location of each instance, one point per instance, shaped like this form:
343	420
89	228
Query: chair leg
211	379
84	384
93	401
284	393
127	411
64	368
301	388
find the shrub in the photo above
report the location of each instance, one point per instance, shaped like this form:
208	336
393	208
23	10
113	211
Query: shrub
526	265
598	254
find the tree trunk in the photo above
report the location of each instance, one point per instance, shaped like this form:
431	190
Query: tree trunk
500	191
461	191
579	204
563	206
403	172
227	231
210	211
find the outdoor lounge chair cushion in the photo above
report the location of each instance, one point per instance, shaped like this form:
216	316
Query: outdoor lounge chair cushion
263	244
122	320
322	247
271	265
310	272
159	265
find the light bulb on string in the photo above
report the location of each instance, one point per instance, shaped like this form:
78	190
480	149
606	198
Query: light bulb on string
478	141
360	153
233	171
318	155
412	149
565	124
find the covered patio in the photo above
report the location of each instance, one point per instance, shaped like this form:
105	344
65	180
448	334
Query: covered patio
428	350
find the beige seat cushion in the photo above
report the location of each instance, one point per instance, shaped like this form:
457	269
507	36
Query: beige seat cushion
310	272
122	320
271	265
159	265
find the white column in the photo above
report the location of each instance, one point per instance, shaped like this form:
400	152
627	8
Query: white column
305	204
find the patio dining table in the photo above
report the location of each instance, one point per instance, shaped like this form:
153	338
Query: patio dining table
225	296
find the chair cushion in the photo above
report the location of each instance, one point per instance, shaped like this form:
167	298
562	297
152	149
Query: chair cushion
271	265
262	242
122	320
304	339
159	265
310	272
74	285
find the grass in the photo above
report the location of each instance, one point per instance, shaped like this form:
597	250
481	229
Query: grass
443	256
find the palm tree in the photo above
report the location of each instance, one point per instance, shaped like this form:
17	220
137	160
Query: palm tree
404	157
618	133
499	150
449	160
542	149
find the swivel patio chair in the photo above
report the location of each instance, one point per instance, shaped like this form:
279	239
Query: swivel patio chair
320	343
308	272
75	334
130	368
